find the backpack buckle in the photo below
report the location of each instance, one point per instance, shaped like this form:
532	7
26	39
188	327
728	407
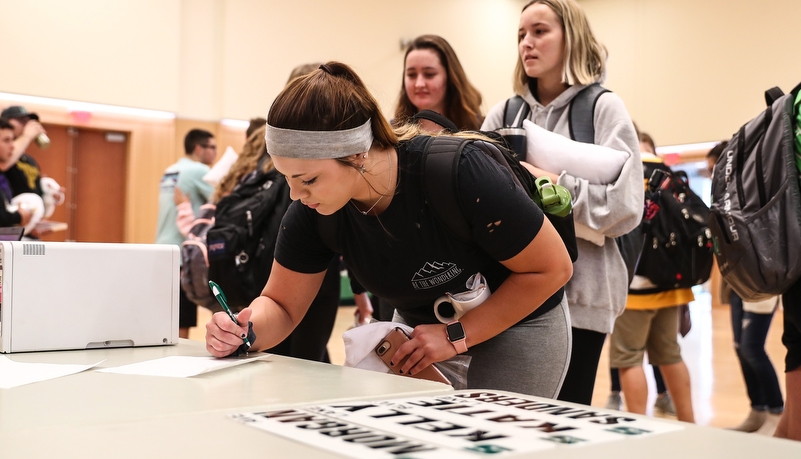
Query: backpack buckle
241	258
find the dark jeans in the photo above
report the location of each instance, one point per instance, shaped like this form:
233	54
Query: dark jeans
187	311
792	327
750	331
580	379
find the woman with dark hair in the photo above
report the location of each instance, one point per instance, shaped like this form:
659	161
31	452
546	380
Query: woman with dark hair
343	161
433	79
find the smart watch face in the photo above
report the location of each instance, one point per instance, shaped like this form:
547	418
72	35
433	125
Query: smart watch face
455	331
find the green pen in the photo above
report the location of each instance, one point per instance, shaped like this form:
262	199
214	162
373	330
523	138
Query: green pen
218	293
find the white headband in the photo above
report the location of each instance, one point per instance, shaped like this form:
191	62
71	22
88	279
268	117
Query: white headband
290	143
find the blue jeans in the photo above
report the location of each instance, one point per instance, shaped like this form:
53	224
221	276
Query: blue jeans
750	331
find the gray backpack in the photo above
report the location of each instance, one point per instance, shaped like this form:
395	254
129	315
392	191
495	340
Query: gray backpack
195	267
755	217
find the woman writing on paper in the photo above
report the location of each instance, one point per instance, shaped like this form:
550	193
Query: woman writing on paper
326	134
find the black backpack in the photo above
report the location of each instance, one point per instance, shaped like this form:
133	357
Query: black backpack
440	160
581	122
678	243
441	156
195	260
242	241
755	216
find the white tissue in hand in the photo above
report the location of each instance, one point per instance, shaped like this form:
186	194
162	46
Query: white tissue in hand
556	153
53	195
360	342
33	204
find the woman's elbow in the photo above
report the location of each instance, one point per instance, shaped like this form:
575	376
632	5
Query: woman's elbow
564	270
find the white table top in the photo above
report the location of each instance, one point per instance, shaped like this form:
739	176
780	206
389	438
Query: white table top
94	398
95	414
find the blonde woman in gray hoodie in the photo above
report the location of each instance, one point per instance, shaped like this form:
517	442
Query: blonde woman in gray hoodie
558	57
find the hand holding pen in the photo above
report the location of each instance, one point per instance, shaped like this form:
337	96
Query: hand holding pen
220	296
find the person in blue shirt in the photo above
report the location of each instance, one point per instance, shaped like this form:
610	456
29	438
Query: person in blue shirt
187	174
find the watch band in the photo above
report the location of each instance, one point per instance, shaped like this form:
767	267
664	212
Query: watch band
458	342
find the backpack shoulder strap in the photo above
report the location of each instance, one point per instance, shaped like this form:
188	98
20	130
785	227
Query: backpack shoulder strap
440	163
581	113
515	111
435	117
773	94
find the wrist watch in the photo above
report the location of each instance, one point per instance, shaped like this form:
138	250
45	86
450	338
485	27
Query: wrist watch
456	336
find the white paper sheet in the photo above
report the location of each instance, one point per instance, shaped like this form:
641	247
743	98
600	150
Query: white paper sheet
179	366
13	374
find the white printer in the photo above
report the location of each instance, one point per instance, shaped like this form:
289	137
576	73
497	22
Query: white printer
74	295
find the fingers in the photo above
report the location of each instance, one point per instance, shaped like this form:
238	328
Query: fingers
223	336
243	317
429	344
33	128
405	349
25	216
178	196
217	348
416	362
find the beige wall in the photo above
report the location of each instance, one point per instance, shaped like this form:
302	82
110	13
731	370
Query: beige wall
695	70
689	71
213	59
264	40
121	52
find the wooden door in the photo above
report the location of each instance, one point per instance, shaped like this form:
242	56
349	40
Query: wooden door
91	167
100	186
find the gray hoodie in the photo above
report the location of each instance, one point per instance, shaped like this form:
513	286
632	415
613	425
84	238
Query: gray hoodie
597	291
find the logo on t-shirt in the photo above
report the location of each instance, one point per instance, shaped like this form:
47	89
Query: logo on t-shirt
169	181
433	274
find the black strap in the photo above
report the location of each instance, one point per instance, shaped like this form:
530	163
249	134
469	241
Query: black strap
435	117
772	94
244	348
761	188
581	113
440	165
515	111
738	174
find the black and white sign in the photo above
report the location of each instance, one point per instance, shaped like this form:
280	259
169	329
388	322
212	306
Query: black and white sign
468	423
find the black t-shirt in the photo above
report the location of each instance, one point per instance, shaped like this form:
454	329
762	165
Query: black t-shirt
24	176
405	255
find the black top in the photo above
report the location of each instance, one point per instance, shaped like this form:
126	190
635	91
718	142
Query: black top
7	218
24	176
405	255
